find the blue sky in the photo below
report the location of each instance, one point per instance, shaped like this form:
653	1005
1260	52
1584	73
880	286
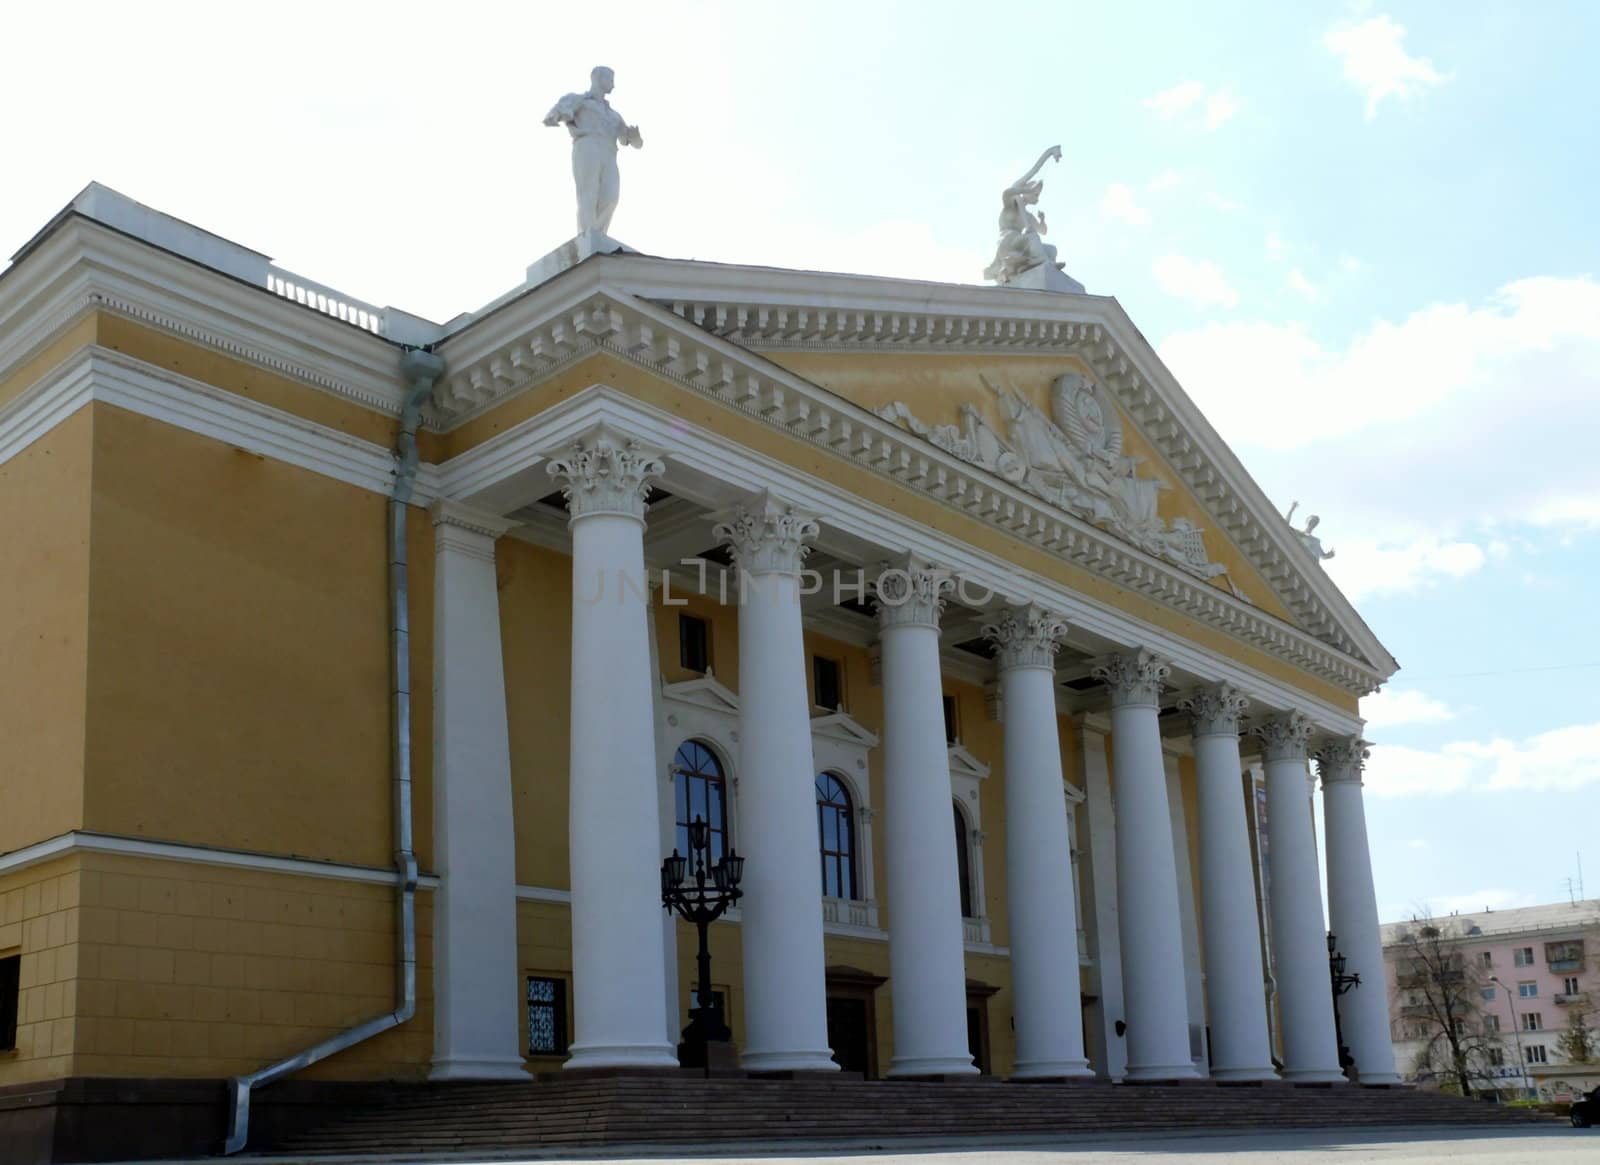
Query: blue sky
1362	235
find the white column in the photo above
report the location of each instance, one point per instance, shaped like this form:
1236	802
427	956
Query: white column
1188	919
927	957
786	1007
1147	876
1294	893
1041	903
1353	911
1240	1046
1101	902
476	1033
618	976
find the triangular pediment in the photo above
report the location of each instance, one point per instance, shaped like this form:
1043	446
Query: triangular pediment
797	349
964	764
703	692
843	727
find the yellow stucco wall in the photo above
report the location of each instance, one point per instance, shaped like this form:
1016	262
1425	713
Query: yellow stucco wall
44	629
39	920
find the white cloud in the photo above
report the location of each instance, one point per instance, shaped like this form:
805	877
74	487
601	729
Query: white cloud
1118	203
1389	708
1376	64
1561	760
1298	282
1417	440
1216	107
1364	567
1164	181
1275	247
1221	108
1222	202
1349	264
1169	103
1197	280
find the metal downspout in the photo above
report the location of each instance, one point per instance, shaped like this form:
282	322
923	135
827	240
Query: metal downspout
421	370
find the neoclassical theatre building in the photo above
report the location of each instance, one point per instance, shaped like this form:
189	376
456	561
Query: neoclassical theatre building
357	672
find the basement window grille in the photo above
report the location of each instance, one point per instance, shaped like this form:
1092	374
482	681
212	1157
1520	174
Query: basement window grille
547	1016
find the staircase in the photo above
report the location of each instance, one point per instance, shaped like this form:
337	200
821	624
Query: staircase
671	1110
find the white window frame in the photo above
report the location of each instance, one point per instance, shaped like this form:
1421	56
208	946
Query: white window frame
1527	989
839	745
967	774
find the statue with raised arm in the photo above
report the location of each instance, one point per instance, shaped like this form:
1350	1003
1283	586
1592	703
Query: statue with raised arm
1307	539
597	130
1022	247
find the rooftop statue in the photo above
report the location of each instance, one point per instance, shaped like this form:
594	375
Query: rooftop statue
1307	539
1023	258
597	130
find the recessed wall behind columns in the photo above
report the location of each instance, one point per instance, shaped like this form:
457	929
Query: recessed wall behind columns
44	626
238	638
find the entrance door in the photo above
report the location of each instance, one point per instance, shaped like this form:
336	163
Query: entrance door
848	1034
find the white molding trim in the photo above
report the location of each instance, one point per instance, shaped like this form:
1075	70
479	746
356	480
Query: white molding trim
85	842
104	376
543	894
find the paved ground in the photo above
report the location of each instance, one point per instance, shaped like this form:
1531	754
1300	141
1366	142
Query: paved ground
1541	1144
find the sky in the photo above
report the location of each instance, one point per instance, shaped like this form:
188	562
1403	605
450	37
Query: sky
1362	235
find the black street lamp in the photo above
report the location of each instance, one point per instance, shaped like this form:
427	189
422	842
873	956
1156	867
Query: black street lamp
1341	984
702	905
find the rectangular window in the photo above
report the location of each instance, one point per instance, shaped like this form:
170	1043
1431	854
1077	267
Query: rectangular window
1534	1054
1569	986
1527	989
1522	957
10	994
1495	1058
1491	1023
1532	1021
826	681
1487	993
694	644
952	730
547	1016
1485	959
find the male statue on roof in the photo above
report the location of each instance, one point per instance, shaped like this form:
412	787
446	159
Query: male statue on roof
597	130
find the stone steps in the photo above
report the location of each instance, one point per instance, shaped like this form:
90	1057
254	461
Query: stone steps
588	1111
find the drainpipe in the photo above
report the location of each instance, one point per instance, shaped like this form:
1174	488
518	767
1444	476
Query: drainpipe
421	370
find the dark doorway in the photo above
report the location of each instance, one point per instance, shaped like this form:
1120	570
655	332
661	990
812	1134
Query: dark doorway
847	1034
978	994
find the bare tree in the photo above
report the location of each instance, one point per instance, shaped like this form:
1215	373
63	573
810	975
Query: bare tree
1578	1044
1438	992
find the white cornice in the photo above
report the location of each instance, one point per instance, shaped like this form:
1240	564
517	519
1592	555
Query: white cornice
102	375
489	366
83	266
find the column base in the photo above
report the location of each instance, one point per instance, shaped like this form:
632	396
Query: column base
1243	1075
1314	1076
604	1057
476	1068
765	1062
925	1066
1052	1070
1160	1073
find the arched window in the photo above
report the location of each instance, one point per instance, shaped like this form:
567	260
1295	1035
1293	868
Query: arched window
836	837
700	791
963	860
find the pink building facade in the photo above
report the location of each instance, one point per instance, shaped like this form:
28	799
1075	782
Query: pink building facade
1536	975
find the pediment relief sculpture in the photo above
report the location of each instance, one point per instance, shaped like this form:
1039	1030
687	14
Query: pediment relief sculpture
1071	457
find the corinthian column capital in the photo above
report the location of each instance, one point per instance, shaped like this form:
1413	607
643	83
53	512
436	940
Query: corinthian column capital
1026	637
606	472
767	536
1134	678
1284	737
1215	710
1342	760
910	593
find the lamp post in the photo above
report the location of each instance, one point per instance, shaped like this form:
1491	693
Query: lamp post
1516	1034
702	905
1341	984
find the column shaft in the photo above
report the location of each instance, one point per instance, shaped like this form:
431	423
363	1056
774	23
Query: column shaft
927	958
1353	912
619	986
786	1007
1147	877
1241	1048
475	907
1041	901
1299	942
